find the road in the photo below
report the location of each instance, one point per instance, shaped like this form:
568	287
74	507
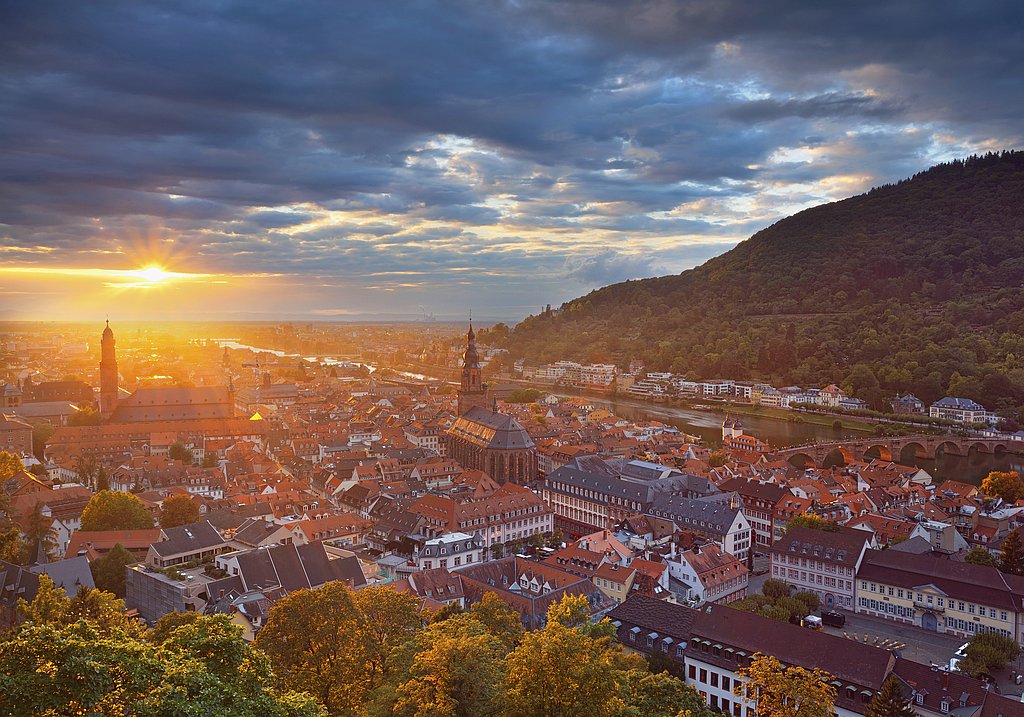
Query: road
920	645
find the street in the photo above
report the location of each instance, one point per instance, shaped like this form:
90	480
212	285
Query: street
919	645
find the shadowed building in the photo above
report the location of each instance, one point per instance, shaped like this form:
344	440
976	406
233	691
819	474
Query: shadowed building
157	403
108	374
483	439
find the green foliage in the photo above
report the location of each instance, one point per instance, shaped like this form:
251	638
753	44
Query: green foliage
988	652
922	296
39	530
115	510
774	588
210	460
717	459
776	602
75	668
980	556
889	701
180	509
10	465
108	571
88	416
1007	485
524	395
1011	558
41	433
178	451
812	521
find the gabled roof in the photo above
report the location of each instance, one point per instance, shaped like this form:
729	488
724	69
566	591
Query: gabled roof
187	538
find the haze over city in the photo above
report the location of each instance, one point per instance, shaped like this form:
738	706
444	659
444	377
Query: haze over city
333	160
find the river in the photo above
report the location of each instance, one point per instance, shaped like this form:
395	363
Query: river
780	433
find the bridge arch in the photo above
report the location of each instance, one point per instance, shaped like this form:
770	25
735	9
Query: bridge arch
978	447
911	451
878	450
1000	448
802	460
837	456
947	448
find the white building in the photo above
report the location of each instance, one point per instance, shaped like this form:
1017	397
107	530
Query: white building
452	550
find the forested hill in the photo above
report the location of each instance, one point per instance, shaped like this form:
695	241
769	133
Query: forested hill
917	286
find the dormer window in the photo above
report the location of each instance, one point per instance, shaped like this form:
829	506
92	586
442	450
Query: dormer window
944	706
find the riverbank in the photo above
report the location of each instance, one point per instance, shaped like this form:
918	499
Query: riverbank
818	419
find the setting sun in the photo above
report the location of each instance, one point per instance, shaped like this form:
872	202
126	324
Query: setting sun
153	274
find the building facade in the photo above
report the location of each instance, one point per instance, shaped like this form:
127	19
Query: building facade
821	562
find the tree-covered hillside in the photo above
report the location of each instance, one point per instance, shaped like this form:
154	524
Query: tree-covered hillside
913	287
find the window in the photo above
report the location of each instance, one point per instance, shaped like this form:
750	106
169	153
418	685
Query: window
693	671
703	677
726	683
714	679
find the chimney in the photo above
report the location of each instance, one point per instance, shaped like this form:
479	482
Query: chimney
945	680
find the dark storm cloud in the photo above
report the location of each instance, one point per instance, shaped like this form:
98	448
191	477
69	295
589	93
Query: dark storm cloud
363	137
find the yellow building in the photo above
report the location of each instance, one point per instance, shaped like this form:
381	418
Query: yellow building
615	581
939	595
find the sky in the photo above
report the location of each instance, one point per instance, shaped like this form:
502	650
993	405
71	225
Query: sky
224	159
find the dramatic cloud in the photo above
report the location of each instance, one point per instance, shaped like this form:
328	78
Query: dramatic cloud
329	158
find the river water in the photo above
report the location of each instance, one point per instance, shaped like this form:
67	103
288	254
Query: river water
780	433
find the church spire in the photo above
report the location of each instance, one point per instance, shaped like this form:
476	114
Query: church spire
108	373
471	389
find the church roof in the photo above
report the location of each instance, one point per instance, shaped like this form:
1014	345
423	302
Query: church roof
161	403
491	430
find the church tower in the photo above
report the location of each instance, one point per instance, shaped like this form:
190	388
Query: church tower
472	391
108	374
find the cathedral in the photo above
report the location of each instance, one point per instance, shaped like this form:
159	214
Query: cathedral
156	403
484	439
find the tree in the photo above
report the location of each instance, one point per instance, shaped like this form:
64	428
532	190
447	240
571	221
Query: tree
210	460
988	652
102	483
457	671
85	417
41	433
661	695
777	691
812	521
77	669
178	451
387	619
980	556
1011	558
774	588
115	510
87	467
717	459
179	509
500	620
316	644
12	549
889	701
1006	485
565	671
52	606
39	530
108	571
10	466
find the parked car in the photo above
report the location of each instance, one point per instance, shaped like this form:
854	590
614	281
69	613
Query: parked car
833	618
812	622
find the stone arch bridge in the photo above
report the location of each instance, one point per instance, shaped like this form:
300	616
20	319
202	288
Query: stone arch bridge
892	449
